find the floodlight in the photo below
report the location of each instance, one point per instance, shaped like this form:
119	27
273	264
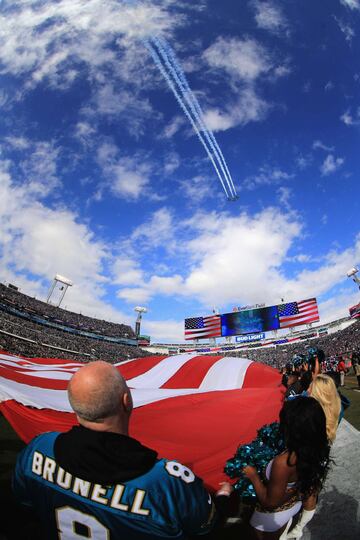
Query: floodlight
140	309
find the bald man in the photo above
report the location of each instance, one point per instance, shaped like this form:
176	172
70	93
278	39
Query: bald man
97	482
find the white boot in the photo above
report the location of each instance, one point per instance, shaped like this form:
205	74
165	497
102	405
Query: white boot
284	534
306	516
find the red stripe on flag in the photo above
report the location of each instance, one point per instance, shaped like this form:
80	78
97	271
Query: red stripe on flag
315	318
261	376
300	315
191	374
41	382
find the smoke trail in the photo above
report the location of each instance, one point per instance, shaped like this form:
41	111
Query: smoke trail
187	93
166	76
191	97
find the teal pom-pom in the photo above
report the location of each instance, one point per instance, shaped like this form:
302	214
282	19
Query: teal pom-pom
267	444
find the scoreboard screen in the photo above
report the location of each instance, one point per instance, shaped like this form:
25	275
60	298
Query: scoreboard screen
250	321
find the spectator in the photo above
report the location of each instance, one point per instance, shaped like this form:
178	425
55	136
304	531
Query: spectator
357	373
341	369
294	386
96	481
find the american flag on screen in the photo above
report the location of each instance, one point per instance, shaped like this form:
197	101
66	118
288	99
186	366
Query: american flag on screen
296	313
203	327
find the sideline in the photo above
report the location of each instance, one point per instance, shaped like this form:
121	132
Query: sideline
338	514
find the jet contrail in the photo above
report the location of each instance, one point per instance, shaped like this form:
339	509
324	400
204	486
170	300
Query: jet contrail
158	63
169	58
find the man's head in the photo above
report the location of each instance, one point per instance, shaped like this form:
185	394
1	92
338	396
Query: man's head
99	395
292	378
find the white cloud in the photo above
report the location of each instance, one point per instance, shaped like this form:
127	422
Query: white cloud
166	284
126	177
269	16
248	107
232	251
284	194
40	168
197	189
135	295
331	164
33	35
303	162
245	62
346	29
319	145
244	253
84	130
173	127
169	331
126	271
337	306
53	43
44	241
156	231
330	273
352	4
266	176
171	162
328	86
18	143
243	59
37	164
3	98
349	119
301	258
37	242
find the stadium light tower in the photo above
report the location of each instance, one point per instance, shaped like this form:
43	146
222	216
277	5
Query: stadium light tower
352	273
58	288
139	310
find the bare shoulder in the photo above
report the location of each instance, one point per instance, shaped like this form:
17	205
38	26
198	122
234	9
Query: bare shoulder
284	462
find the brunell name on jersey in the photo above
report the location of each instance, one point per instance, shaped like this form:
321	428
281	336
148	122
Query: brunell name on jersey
47	468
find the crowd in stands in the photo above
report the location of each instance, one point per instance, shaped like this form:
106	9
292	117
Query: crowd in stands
75	320
338	344
27	338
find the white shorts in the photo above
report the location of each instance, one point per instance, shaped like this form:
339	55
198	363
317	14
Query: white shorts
273	521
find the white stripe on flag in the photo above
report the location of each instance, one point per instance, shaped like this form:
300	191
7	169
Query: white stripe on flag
43	398
161	373
226	374
33	396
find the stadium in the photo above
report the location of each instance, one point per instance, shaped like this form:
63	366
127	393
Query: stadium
179	270
33	329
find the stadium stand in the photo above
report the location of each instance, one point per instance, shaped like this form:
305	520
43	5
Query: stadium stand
30	305
340	343
32	328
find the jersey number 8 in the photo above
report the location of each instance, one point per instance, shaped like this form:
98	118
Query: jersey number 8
180	471
73	524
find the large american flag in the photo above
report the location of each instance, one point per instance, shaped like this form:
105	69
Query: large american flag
296	313
203	327
179	403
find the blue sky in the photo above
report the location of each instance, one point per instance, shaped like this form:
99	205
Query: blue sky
103	180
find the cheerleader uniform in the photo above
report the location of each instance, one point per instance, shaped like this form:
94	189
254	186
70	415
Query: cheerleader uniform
273	520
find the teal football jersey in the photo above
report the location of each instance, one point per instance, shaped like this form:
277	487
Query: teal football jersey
167	502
